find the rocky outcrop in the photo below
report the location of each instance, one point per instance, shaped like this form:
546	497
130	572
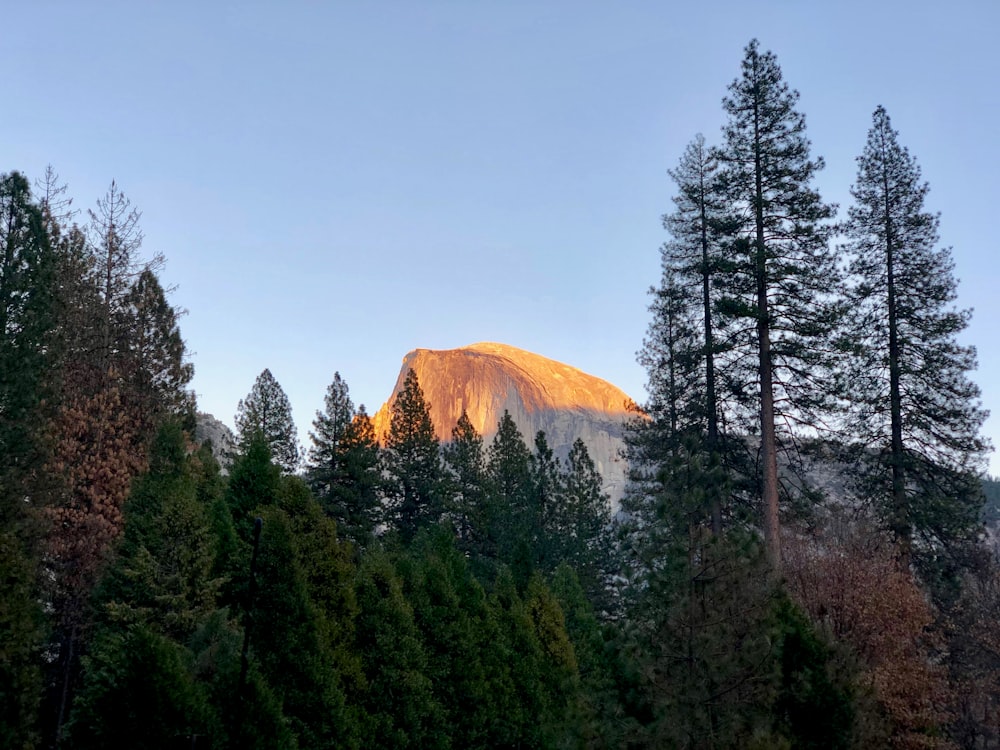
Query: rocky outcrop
223	442
486	379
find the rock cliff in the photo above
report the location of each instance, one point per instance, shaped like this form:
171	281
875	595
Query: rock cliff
541	394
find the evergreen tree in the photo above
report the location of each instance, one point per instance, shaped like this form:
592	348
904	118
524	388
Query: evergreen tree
783	277
266	410
916	414
465	460
323	467
156	356
584	525
512	511
413	462
27	296
402	709
692	263
343	464
139	684
457	631
547	505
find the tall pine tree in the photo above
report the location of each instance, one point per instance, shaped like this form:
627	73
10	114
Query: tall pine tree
266	410
917	414
413	461
780	295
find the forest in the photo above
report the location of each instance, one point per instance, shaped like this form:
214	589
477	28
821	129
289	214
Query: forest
802	559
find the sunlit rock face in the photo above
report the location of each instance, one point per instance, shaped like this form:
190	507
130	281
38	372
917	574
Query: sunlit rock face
540	394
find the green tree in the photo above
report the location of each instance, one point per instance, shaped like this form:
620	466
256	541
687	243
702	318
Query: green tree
693	261
402	709
465	463
781	287
923	458
456	628
584	524
512	516
27	298
157	366
139	683
323	465
266	410
343	467
413	462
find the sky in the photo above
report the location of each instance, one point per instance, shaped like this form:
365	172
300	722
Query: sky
334	184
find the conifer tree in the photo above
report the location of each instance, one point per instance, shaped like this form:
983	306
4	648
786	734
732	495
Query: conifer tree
138	687
916	414
328	431
413	461
692	263
400	703
465	460
114	239
343	464
512	515
266	410
27	296
585	525
783	277
548	505
156	355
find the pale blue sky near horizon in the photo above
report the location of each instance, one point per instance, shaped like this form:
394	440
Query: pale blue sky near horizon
335	184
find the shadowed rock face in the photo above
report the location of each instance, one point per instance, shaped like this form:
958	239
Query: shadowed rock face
540	394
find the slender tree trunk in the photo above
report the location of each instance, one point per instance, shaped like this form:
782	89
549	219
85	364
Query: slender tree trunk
900	521
768	438
68	668
711	408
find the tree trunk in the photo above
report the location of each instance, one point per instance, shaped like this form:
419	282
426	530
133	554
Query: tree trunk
768	437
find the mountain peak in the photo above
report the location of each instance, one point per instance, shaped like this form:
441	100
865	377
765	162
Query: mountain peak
487	378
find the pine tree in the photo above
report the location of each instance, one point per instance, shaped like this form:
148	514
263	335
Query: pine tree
27	297
917	414
139	686
512	510
343	464
585	526
783	275
156	358
548	506
466	466
328	431
692	263
413	461
266	410
400	702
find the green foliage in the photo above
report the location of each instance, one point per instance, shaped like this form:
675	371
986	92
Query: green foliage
412	462
27	301
402	709
266	410
343	468
254	483
157	368
21	638
511	510
921	462
287	641
466	490
138	692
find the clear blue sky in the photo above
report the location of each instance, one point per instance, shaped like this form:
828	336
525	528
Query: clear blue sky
336	183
